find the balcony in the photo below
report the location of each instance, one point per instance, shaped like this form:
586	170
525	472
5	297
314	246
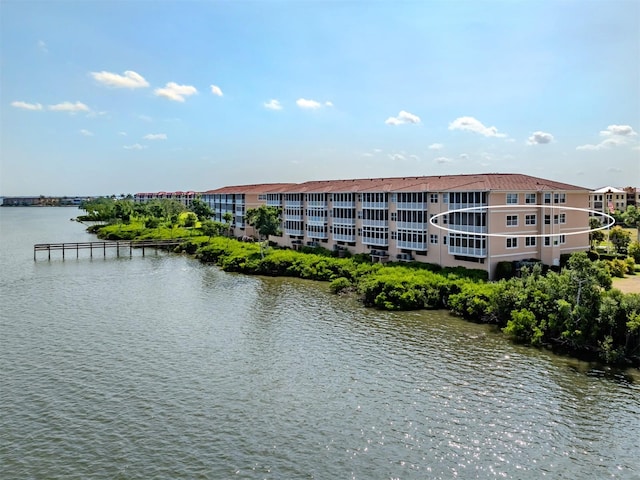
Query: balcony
415	226
411	205
376	205
313	220
321	235
317	204
480	206
349	222
344	238
382	242
294	232
468	228
274	203
468	251
348	204
292	204
375	223
295	218
420	246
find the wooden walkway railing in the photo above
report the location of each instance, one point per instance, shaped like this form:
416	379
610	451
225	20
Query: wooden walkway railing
103	246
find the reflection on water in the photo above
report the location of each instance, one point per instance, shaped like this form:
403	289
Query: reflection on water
161	367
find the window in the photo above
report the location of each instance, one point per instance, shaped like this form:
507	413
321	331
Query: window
394	235
394	216
563	239
433	239
530	219
445	198
512	220
547	198
512	242
547	219
529	198
530	241
444	240
512	198
559	198
563	218
433	198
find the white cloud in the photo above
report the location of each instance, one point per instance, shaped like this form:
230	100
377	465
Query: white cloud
402	118
272	104
464	156
443	160
26	106
436	146
367	154
155	136
310	104
397	156
124	134
43	46
414	157
589	147
175	92
540	138
130	79
615	135
216	90
328	104
145	118
69	107
86	133
135	146
621	130
474	125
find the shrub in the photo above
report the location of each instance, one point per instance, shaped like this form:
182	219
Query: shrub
634	251
504	270
524	327
617	267
340	285
631	265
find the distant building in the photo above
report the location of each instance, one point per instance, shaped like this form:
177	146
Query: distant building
608	200
388	218
186	198
42	201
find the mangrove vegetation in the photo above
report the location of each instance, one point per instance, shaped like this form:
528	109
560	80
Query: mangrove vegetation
572	309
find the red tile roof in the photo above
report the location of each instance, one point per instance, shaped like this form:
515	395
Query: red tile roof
439	183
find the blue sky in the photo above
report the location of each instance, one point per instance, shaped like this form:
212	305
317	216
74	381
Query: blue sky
110	97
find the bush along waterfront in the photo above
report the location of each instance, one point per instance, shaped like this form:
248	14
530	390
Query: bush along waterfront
573	310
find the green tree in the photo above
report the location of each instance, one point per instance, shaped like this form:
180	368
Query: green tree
228	218
188	219
123	210
634	251
201	209
595	236
631	218
211	228
266	221
99	209
620	239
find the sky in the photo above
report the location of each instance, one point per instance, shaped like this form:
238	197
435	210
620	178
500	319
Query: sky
118	97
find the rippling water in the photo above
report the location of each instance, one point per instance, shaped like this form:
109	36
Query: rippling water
160	367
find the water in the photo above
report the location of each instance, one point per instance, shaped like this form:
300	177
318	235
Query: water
161	367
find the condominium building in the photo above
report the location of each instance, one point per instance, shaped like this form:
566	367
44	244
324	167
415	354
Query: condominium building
183	197
473	221
608	200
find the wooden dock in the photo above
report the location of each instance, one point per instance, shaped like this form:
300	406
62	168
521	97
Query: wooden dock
102	247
